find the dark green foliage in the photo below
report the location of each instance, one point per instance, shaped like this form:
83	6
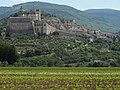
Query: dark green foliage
0	33
15	15
55	33
63	50
3	24
115	47
7	34
96	64
8	53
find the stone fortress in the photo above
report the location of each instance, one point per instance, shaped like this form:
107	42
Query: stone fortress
29	23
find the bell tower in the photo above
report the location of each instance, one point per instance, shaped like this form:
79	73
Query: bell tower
38	14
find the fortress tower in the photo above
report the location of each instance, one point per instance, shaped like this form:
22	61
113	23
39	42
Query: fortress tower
38	14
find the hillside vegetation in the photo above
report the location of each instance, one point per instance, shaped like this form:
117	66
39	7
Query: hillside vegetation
82	18
62	50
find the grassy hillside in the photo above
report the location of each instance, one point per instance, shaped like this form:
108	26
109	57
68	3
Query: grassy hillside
67	12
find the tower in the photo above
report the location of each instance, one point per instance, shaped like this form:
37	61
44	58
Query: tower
38	14
22	11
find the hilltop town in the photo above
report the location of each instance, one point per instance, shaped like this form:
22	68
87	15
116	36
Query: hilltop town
33	23
29	23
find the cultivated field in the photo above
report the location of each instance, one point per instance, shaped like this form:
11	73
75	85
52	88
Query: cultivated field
59	78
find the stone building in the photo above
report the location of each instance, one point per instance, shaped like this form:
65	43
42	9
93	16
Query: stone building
29	23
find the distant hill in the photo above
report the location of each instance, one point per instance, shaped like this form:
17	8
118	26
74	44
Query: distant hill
109	15
90	20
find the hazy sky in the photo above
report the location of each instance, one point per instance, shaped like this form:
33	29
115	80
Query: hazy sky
79	4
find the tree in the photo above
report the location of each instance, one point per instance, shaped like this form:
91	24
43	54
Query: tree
15	15
8	53
55	33
0	33
7	34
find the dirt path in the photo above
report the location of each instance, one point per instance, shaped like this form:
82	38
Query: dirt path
58	73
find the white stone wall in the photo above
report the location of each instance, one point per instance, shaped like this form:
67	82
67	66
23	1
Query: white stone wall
49	29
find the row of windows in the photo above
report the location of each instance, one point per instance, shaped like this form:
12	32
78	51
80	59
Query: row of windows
39	24
37	29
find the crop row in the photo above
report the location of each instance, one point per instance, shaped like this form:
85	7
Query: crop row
62	84
58	82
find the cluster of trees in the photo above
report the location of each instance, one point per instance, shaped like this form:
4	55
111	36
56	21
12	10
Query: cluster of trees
37	61
8	54
59	50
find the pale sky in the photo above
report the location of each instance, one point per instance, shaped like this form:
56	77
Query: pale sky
79	4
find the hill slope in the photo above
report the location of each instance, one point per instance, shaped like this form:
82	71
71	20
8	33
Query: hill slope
67	12
109	15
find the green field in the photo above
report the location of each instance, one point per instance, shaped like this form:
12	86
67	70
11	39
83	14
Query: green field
43	78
